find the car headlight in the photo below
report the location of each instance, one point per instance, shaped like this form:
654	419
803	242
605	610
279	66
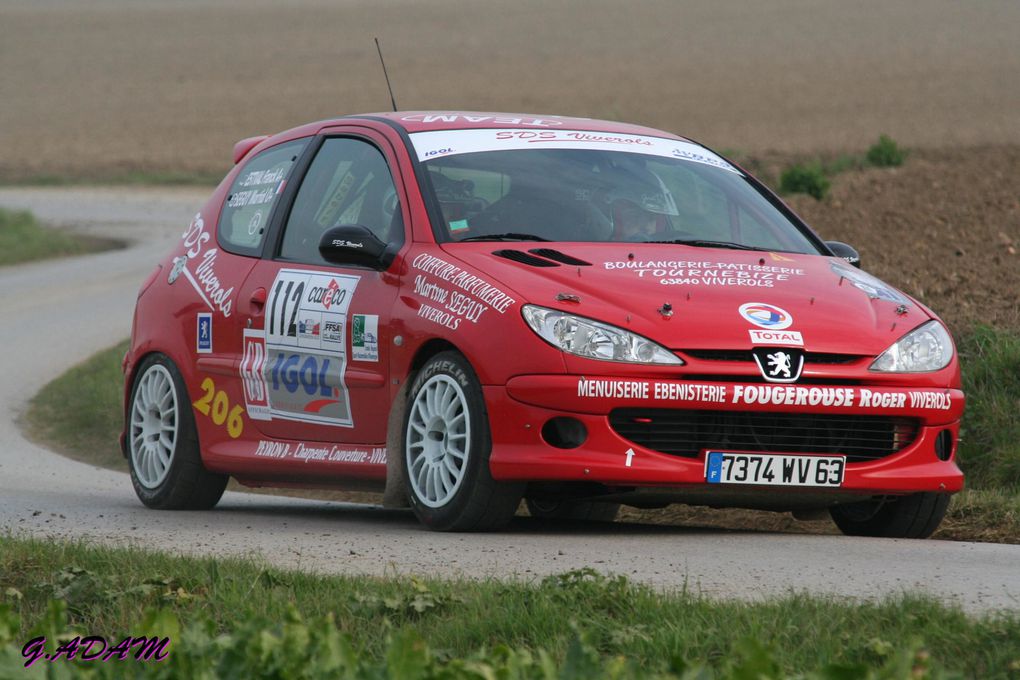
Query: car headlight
594	339
926	348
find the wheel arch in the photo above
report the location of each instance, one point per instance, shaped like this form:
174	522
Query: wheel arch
394	495
132	364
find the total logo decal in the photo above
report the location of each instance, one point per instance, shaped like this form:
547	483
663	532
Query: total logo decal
294	369
781	366
766	316
763	337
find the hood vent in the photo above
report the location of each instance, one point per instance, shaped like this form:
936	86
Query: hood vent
524	258
556	255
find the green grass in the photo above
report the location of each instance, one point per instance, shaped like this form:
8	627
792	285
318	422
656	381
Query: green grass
80	414
119	178
117	592
23	240
991	515
990	439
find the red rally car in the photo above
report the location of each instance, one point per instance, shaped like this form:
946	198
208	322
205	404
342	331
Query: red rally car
468	309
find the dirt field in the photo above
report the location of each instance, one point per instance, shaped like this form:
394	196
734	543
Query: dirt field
97	87
93	89
944	227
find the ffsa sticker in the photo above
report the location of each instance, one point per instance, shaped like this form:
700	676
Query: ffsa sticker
365	337
203	339
294	369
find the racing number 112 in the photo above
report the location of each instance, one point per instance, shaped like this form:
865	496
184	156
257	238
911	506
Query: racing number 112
278	309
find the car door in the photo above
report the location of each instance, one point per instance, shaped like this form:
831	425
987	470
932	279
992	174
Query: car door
217	264
315	364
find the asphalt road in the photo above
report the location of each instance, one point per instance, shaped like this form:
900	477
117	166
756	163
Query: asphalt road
57	313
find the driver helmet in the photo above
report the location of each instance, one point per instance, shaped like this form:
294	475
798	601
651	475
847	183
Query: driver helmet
636	193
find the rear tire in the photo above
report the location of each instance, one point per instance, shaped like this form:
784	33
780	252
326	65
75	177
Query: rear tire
162	443
582	511
914	516
447	443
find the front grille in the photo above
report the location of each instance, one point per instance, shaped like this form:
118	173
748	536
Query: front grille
745	355
687	433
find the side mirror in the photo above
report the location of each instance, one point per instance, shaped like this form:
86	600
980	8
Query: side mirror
848	253
352	244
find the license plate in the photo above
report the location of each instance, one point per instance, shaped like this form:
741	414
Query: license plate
770	469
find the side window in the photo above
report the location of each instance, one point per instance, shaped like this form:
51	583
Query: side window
254	193
349	182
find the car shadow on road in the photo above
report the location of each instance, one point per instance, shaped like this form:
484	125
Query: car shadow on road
404	519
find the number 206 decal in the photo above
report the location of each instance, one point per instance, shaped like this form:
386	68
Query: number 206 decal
215	404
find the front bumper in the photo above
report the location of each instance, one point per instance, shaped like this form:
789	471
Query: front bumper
521	408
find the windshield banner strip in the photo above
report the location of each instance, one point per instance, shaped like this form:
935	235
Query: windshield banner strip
439	143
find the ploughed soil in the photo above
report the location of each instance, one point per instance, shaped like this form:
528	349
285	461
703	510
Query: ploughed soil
943	227
97	89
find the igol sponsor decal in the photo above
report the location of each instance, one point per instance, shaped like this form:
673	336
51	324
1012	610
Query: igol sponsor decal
294	370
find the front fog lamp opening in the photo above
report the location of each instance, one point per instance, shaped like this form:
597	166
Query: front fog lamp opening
944	445
564	433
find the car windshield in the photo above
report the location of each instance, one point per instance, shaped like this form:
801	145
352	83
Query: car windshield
577	186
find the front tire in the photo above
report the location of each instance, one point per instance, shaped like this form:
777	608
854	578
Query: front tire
914	516
163	453
447	443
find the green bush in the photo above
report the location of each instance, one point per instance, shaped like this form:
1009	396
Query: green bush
990	437
885	153
805	179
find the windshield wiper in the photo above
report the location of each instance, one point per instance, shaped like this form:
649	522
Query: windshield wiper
704	243
508	236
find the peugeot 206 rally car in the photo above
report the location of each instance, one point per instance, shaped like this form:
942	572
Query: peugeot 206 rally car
468	309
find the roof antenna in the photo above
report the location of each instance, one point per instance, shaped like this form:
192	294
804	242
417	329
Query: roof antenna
388	86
